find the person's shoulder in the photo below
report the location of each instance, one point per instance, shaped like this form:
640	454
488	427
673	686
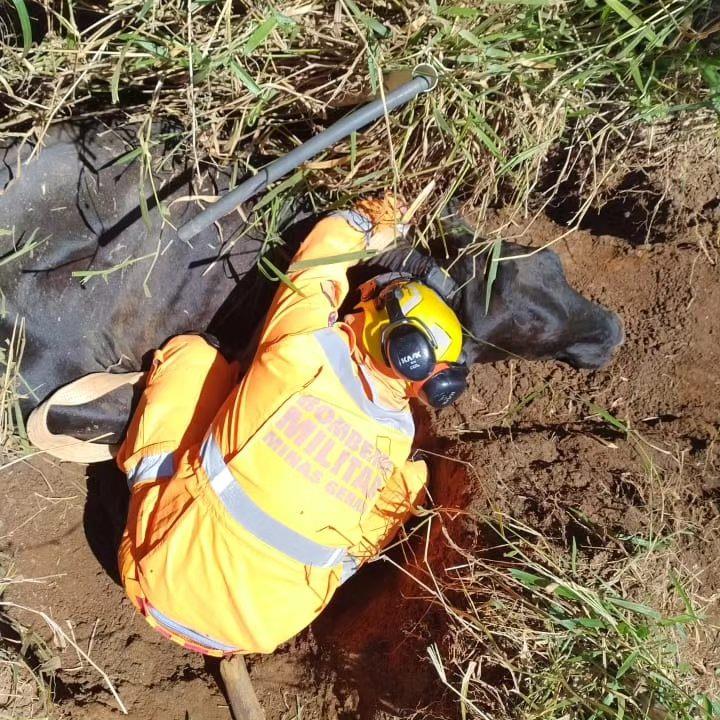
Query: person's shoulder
307	349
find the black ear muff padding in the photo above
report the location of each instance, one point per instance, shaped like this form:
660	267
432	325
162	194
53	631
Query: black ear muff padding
445	387
409	353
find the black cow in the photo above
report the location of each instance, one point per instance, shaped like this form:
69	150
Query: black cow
101	278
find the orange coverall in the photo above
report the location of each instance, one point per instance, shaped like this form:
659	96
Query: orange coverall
252	501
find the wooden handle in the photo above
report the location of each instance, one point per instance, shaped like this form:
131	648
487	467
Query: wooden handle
239	689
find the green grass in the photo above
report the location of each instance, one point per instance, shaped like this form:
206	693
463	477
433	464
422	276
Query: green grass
519	79
594	624
567	640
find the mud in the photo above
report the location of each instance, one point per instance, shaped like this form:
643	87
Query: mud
537	440
658	185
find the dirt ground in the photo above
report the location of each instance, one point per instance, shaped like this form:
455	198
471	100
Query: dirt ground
525	439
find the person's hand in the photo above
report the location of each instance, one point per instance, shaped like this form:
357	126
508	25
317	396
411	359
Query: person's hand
385	214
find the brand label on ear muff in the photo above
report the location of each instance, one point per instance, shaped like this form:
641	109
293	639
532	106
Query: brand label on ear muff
410	353
412	360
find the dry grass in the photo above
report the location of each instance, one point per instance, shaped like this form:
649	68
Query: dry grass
27	664
626	629
226	83
12	428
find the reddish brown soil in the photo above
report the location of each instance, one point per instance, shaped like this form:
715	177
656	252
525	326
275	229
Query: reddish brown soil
525	440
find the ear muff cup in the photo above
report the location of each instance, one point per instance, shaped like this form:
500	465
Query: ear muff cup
445	387
408	352
408	348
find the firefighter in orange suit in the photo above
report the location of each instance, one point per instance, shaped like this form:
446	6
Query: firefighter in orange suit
254	498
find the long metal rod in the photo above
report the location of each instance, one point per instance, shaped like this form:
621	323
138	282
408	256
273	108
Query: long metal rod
424	80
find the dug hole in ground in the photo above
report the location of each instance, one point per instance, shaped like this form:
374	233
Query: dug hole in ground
537	442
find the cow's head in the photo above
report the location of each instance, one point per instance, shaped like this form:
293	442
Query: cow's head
533	312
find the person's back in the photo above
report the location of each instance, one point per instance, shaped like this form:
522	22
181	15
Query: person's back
253	501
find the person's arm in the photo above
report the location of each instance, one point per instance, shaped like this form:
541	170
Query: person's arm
396	502
320	283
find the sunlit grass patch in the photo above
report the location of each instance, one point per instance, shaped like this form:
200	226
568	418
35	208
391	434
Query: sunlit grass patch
590	621
237	84
568	641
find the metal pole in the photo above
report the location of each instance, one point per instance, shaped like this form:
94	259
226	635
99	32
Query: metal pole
424	80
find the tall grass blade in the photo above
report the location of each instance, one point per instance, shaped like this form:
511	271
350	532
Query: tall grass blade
277	274
260	35
351	257
25	24
492	271
630	17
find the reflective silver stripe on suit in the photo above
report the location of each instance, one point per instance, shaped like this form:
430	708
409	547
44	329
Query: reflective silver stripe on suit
338	356
256	521
356	220
187	633
152	468
349	567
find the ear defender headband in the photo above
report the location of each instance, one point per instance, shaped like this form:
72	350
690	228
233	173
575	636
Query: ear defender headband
409	348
